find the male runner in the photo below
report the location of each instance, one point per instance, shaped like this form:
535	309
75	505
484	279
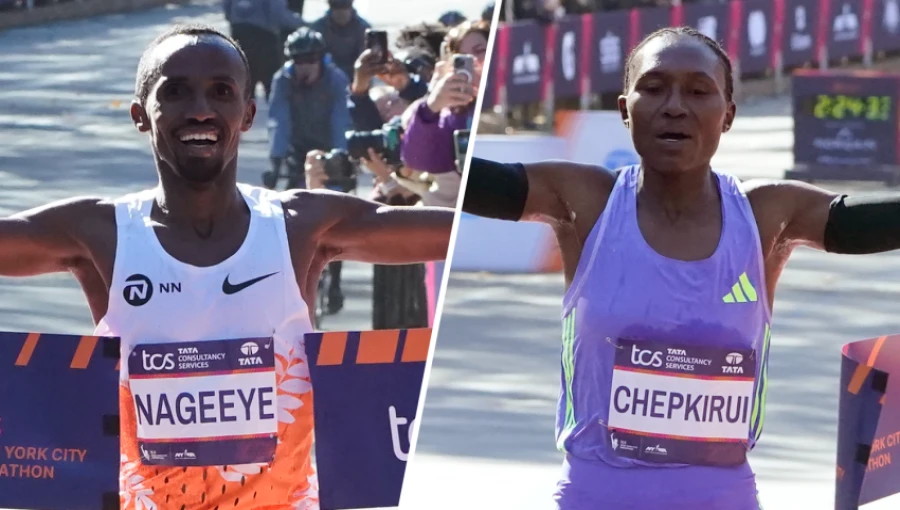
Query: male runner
671	271
214	388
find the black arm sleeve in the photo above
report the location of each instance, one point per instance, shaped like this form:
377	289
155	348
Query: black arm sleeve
496	190
859	225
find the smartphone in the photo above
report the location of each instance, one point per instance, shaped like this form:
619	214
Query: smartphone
465	65
376	40
461	143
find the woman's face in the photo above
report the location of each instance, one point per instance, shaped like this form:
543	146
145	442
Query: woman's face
475	44
676	106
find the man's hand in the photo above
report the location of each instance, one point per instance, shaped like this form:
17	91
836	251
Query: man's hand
378	166
365	68
314	168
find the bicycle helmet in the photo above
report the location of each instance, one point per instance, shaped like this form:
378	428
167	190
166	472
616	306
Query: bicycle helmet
452	18
303	42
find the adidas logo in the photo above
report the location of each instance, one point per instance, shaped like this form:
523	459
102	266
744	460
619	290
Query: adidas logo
741	292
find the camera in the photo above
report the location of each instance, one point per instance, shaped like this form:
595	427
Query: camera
385	141
341	172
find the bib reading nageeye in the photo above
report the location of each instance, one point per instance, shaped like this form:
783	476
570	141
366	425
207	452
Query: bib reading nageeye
685	405
205	403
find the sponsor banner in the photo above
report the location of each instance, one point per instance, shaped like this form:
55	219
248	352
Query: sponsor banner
758	36
844	28
567	67
610	37
886	25
798	44
524	62
59	444
644	22
366	394
869	422
709	19
845	119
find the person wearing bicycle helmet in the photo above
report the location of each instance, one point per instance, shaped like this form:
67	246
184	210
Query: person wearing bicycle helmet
307	112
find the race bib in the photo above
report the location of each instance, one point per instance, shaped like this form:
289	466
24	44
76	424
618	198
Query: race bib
683	405
207	403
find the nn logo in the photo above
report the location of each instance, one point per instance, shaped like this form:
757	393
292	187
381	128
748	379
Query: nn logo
139	289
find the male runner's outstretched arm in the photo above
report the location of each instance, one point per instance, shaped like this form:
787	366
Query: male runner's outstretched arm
45	239
352	228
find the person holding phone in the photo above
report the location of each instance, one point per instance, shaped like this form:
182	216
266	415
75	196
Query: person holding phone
429	145
344	31
307	112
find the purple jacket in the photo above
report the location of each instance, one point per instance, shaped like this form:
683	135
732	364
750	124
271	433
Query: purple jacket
428	143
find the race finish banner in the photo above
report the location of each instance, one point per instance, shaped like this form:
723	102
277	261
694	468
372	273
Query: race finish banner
366	393
59	417
59	423
846	126
868	422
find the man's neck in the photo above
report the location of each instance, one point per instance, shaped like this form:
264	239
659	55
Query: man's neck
199	208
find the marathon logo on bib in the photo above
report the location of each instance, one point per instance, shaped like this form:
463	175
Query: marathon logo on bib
676	404
205	403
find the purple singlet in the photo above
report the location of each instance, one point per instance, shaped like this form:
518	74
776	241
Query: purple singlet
663	366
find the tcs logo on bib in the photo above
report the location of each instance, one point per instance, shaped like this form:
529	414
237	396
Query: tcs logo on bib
646	358
158	361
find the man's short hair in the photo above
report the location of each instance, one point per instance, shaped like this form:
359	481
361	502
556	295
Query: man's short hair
149	71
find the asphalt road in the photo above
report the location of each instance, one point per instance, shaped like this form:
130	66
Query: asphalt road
488	421
65	130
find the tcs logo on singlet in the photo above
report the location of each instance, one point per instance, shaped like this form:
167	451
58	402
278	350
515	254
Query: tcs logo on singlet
646	358
157	361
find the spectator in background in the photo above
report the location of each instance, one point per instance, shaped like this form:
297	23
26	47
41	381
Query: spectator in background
307	112
257	27
428	145
345	33
363	109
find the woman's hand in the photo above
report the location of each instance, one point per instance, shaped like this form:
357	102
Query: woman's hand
450	90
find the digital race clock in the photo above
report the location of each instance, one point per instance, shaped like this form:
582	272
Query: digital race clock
846	125
840	106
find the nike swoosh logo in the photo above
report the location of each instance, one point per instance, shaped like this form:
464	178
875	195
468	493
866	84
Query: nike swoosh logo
229	288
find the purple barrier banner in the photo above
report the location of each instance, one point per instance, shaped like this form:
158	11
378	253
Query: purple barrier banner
757	35
59	422
845	119
845	29
798	43
567	66
886	25
525	61
649	21
366	394
610	39
868	422
710	19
